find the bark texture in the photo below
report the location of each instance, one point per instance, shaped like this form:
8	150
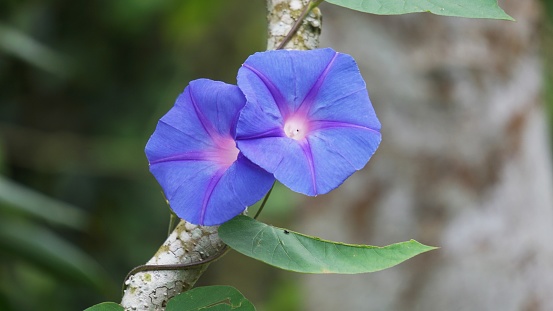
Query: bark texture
282	15
464	165
150	290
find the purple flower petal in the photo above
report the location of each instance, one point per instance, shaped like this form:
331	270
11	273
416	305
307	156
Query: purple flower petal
343	96
193	155
339	151
282	78
285	158
303	109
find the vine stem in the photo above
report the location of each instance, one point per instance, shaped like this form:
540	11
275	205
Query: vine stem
264	201
170	267
172	219
310	6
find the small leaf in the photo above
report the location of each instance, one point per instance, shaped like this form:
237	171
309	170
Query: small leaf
210	298
461	8
297	252
106	306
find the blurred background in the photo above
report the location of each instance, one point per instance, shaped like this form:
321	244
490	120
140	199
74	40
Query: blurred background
83	83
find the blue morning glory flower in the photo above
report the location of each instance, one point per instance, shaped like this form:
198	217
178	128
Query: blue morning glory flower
308	118
193	155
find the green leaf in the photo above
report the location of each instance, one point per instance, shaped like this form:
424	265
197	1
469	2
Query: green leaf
297	252
106	306
210	298
461	8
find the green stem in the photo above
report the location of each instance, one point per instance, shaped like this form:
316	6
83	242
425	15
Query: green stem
172	220
264	201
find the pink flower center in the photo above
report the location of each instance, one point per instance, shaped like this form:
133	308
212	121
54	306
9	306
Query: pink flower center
226	153
296	127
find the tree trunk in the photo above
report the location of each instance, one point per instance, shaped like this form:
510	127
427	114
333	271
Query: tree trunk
464	165
151	288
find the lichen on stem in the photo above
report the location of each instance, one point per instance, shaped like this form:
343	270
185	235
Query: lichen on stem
299	21
293	24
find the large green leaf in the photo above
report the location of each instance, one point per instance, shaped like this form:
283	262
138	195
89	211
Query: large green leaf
210	298
293	251
106	306
462	8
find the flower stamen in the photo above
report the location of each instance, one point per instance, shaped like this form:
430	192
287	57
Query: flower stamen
296	127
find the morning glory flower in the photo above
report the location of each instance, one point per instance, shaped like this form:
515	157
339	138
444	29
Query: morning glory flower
193	155
308	118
